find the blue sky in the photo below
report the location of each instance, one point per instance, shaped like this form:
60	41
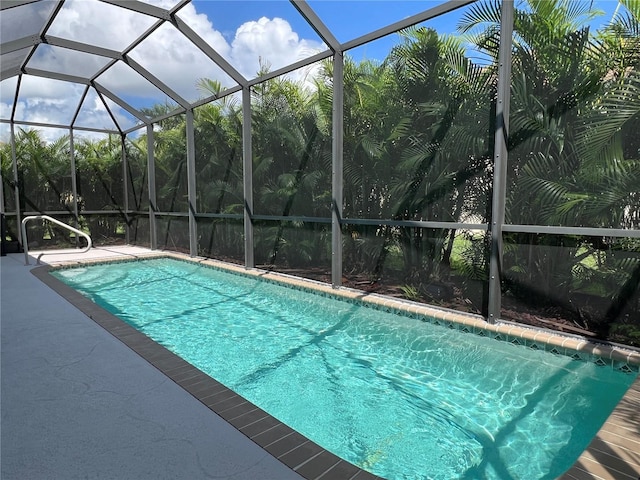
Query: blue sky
347	19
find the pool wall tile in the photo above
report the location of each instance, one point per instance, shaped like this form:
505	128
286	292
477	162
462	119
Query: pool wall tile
518	334
528	336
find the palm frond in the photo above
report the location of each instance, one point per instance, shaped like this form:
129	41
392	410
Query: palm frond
479	14
619	105
372	147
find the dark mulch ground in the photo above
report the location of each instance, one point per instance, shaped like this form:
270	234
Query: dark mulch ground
548	317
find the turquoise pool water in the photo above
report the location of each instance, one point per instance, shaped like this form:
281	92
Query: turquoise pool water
400	397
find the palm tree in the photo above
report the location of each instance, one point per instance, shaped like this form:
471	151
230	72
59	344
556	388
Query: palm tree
291	171
6	163
374	128
218	141
100	185
44	179
219	179
43	172
442	161
137	189
572	155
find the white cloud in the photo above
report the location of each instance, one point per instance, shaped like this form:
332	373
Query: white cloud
178	63
93	114
55	102
274	44
25	20
201	24
64	60
99	24
166	53
124	82
272	41
7	94
166	4
5	110
47	101
5	133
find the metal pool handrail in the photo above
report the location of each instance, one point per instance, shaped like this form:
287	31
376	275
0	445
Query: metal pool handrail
57	222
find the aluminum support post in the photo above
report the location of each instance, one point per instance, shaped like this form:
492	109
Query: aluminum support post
151	176
500	160
191	184
337	169
74	183
247	175
16	188
2	217
125	187
3	220
1	193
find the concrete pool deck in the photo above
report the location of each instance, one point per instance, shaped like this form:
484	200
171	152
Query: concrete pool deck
77	403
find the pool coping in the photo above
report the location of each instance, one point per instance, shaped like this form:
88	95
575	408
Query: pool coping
290	447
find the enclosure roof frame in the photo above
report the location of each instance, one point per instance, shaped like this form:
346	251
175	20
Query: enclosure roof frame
163	16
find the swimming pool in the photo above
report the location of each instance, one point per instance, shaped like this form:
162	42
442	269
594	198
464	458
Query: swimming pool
399	397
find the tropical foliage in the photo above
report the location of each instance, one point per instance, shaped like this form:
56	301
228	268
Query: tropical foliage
418	147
